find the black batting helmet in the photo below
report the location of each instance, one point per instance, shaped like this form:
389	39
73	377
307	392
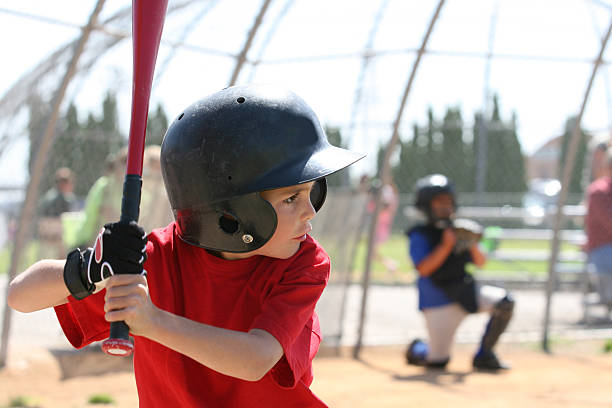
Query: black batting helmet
226	148
428	187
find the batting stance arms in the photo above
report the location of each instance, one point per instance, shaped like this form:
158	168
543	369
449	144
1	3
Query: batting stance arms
224	311
248	356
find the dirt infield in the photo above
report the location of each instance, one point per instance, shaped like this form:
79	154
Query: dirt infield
576	375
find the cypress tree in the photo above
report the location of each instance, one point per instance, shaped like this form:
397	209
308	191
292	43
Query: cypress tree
575	186
453	160
515	162
83	148
157	124
408	168
505	162
431	164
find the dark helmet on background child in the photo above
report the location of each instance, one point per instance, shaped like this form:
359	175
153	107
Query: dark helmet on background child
427	188
222	151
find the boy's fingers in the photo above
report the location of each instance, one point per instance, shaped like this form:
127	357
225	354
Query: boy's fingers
121	302
119	315
116	315
136	288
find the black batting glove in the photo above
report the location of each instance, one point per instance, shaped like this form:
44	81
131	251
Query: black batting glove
120	248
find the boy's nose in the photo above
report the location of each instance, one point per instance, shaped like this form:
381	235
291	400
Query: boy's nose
309	211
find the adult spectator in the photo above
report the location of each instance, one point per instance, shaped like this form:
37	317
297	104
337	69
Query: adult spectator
598	227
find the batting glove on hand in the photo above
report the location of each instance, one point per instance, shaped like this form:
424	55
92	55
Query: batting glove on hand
120	248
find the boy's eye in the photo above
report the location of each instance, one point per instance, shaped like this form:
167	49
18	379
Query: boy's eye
292	198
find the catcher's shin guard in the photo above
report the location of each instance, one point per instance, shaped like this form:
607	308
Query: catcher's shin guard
502	313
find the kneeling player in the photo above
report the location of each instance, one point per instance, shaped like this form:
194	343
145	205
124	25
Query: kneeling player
447	292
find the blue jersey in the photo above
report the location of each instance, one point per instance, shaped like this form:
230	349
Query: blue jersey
429	294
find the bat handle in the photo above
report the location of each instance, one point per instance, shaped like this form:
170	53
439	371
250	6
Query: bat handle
119	342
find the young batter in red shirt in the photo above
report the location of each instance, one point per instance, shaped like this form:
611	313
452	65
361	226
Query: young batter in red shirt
224	314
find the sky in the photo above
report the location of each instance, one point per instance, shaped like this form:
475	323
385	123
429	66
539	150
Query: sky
542	59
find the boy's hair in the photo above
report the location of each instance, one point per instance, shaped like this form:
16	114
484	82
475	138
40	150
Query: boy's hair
222	151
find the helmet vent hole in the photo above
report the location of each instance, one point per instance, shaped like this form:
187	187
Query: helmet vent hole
240	99
181	117
228	223
229	178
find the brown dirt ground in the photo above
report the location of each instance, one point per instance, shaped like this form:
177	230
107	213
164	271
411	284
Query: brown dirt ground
576	374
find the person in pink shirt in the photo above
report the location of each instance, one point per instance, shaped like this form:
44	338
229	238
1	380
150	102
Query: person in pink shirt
225	314
389	203
598	226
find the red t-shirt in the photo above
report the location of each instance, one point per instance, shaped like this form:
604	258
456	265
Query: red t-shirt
275	295
598	220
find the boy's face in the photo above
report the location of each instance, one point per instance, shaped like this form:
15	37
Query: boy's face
442	206
294	212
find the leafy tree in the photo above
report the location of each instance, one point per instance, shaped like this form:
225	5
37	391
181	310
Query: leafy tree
496	171
95	141
82	147
453	154
109	121
409	166
579	163
514	159
39	111
505	170
157	124
441	148
85	146
431	164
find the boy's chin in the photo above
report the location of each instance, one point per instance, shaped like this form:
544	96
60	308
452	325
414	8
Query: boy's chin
286	253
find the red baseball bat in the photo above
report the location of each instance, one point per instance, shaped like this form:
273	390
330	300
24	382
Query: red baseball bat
147	24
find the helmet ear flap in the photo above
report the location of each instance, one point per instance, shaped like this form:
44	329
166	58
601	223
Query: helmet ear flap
318	193
240	224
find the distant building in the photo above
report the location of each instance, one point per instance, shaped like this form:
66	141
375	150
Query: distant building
543	163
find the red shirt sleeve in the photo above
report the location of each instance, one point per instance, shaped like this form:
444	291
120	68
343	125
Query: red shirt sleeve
83	320
289	315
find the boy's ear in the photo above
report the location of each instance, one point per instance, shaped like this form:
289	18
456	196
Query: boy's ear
318	193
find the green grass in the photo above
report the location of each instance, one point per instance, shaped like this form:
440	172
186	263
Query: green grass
397	248
22	401
101	399
607	347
